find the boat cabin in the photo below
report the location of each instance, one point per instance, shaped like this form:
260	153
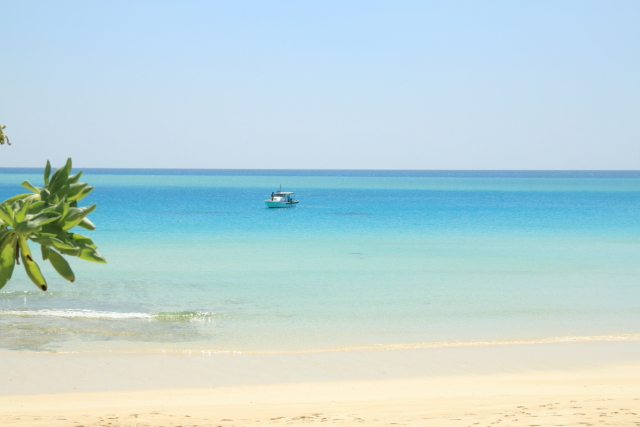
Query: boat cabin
281	196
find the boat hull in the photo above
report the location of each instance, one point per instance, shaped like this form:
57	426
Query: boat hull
273	204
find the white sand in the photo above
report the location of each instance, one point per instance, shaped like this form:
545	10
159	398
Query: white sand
533	385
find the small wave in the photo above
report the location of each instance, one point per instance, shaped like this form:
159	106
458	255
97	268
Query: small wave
75	313
93	314
183	315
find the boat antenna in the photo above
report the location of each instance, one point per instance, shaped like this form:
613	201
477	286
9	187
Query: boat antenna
280	188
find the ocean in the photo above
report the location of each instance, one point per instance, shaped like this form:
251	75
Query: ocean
368	259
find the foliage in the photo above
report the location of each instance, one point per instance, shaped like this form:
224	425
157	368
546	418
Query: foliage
3	136
45	217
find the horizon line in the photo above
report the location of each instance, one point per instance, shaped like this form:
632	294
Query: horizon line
334	169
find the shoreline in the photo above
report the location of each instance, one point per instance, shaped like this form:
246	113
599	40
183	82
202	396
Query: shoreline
540	385
26	372
626	337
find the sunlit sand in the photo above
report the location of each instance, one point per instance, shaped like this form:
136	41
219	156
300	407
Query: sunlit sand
557	384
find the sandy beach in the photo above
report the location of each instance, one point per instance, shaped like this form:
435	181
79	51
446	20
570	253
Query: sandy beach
561	384
309	213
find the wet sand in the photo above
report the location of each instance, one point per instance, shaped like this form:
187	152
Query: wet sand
595	383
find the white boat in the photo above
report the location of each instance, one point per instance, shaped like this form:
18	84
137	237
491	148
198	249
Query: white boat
281	199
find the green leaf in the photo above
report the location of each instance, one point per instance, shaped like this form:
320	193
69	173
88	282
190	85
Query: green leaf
71	191
7	261
30	266
64	244
4	235
11	200
86	224
74	178
42	238
6	238
36	207
45	194
54	230
6	215
29	186
82	240
85	193
47	173
61	265
87	253
59	178
62	208
59	241
21	214
26	228
75	216
45	252
71	252
45	218
76	191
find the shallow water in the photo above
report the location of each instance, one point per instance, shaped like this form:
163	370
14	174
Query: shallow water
367	259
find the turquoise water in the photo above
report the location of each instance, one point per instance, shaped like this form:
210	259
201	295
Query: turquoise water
368	259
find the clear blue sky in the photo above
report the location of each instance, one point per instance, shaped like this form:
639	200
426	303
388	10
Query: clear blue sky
322	84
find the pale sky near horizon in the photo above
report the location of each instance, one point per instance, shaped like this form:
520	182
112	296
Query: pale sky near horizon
322	84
